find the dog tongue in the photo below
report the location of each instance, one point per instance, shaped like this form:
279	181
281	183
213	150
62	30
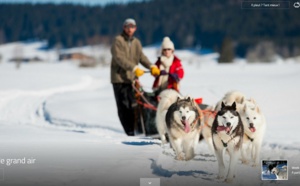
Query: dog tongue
186	126
221	128
252	129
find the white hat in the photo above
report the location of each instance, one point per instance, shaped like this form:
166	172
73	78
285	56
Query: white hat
167	43
129	21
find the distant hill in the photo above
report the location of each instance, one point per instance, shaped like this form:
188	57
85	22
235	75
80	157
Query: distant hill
189	23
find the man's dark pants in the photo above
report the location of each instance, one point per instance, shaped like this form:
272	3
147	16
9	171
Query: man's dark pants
126	103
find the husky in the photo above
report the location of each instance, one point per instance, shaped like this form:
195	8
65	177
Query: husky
210	113
254	125
227	134
183	123
167	98
280	174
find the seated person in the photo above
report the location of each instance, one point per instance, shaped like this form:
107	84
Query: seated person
171	71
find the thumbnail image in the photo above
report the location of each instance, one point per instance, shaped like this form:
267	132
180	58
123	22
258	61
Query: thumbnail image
274	170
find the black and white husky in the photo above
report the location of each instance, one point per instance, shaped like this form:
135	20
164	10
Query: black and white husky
227	133
183	127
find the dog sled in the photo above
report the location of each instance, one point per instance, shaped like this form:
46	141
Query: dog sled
145	111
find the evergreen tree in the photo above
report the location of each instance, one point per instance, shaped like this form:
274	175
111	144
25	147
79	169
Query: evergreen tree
227	51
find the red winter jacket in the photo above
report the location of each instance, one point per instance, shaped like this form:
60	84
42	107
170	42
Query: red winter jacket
176	68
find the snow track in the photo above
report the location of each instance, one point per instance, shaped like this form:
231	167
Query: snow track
27	107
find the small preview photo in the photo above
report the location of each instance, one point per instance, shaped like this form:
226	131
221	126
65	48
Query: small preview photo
274	170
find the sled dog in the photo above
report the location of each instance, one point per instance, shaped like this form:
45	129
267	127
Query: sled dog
254	129
227	134
183	127
210	113
167	98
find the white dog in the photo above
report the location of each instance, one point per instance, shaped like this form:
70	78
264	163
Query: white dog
254	126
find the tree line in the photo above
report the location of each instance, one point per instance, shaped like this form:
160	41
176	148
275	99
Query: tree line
189	23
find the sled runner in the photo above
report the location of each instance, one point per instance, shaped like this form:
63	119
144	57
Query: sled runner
145	111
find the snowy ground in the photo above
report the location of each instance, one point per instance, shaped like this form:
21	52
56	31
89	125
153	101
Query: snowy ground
66	119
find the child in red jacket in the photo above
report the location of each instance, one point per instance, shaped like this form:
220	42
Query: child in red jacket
171	71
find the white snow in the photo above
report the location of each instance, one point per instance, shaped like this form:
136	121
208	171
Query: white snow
66	118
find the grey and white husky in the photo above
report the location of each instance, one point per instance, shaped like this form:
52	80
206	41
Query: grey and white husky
167	98
227	134
183	126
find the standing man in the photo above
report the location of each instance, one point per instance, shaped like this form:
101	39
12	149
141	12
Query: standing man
127	53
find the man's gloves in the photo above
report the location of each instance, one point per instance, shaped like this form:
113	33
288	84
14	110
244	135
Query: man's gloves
155	71
138	72
174	77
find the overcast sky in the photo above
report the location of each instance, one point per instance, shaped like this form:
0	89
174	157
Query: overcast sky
85	2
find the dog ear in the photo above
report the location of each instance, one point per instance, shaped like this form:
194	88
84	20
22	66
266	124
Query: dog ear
188	98
242	100
257	109
178	98
245	108
223	105
233	106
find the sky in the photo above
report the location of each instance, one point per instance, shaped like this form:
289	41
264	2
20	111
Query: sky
84	2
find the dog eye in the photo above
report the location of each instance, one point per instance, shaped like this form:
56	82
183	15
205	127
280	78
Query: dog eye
254	118
231	117
187	111
247	118
224	117
180	111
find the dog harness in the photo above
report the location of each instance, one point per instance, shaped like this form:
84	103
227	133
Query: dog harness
225	144
251	139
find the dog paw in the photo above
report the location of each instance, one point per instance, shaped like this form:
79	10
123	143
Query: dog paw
189	157
180	157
